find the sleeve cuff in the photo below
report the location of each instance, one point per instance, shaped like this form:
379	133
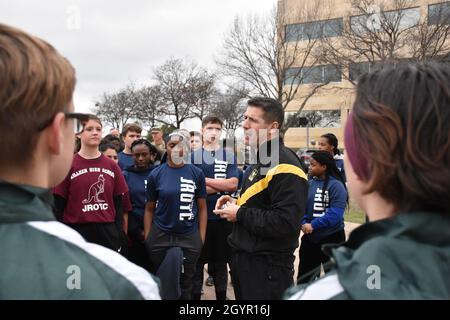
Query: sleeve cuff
239	214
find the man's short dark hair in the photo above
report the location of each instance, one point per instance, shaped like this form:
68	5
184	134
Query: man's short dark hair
211	119
273	110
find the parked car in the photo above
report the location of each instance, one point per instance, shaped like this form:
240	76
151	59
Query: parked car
305	157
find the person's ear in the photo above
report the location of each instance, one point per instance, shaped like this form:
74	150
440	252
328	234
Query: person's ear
56	134
274	128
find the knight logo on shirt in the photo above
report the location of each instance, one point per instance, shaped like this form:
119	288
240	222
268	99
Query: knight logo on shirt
93	202
187	192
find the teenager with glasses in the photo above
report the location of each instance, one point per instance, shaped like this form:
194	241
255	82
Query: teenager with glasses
77	118
38	254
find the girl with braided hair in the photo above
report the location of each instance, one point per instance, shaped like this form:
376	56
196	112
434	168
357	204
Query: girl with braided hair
329	142
324	219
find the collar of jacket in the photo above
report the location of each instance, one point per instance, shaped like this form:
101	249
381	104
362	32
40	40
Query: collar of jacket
406	255
420	226
22	203
135	169
267	145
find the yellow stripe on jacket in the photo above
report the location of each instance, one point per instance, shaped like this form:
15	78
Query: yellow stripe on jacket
264	183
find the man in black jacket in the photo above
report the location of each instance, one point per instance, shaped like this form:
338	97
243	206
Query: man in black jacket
267	215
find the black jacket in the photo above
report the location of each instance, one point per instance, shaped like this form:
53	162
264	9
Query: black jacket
273	202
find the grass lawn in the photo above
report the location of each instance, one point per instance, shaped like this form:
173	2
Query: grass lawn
355	214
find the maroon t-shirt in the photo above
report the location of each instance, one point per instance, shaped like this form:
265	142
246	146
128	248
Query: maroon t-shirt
89	189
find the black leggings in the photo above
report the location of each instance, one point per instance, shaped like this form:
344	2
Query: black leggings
219	274
311	255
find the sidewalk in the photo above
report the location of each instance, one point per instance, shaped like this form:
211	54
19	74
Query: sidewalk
209	293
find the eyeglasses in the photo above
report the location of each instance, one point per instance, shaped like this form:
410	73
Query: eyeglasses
79	119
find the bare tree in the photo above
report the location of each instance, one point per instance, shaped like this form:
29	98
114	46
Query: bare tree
386	31
149	108
230	107
117	108
260	54
201	92
185	89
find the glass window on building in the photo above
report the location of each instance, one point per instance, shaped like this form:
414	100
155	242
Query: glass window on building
358	24
312	75
316	74
313	30
439	13
397	20
319	118
293	32
293	76
356	70
332	73
333	28
403	19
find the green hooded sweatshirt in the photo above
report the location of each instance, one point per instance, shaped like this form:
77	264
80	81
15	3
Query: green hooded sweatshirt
41	258
404	257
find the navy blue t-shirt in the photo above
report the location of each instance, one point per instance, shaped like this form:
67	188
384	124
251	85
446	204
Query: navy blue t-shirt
217	164
176	191
137	188
125	160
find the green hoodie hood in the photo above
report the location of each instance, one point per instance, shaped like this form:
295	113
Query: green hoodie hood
22	203
410	252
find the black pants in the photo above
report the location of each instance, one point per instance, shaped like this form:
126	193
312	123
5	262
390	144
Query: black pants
220	276
311	255
159	241
210	269
137	253
261	277
104	234
216	253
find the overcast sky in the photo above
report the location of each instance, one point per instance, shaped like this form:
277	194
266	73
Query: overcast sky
112	42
